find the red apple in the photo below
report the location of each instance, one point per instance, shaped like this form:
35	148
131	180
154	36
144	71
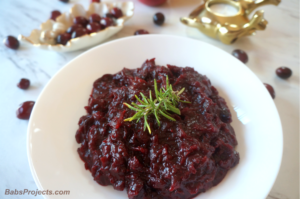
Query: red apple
153	2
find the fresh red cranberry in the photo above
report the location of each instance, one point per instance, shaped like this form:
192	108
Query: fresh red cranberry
24	110
106	22
93	27
95	1
24	83
79	32
65	1
159	18
72	28
95	18
63	38
55	14
81	20
270	89
241	55
116	12
141	32
12	42
284	72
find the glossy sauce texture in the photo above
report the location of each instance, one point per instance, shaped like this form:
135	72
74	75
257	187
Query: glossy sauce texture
179	159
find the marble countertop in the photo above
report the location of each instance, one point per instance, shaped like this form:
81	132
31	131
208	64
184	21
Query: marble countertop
277	46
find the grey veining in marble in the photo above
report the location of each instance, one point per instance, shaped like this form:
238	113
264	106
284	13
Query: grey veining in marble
277	46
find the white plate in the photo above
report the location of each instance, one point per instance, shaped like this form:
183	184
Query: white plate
52	154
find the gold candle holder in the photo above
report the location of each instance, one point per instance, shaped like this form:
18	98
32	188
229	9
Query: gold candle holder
228	29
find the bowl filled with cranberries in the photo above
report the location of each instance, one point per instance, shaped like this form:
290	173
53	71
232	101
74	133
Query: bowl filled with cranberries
80	28
184	126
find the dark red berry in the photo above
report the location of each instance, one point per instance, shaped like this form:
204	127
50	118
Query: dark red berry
24	83
63	38
12	42
55	14
79	32
93	27
159	18
95	18
225	116
116	12
284	72
141	32
109	15
270	89
81	20
95	1
72	28
241	55
106	22
24	110
65	1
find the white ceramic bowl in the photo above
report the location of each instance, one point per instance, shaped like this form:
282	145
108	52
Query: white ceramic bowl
52	154
44	38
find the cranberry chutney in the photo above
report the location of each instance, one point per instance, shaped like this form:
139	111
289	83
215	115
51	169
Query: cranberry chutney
178	159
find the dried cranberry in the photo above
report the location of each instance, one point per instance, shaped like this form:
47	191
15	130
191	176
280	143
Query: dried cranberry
93	27
270	89
106	22
241	55
24	83
12	42
55	14
159	18
24	110
95	1
95	18
79	32
284	72
81	20
116	12
72	28
65	1
63	38
141	32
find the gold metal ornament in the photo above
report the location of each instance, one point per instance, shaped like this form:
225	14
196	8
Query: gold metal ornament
228	29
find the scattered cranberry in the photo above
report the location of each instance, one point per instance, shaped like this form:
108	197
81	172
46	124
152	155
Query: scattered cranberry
159	18
241	55
24	110
79	32
109	15
270	89
72	28
284	72
55	14
95	18
12	42
63	38
141	32
106	22
65	1
96	1
93	27
81	20
116	12
24	83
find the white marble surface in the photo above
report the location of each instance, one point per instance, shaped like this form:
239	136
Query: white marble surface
277	46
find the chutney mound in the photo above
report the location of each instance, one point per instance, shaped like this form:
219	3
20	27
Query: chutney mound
178	159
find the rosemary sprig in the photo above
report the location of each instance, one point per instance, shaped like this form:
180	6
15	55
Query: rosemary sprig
166	100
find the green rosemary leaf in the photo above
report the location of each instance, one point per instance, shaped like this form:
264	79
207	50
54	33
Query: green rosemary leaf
166	100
